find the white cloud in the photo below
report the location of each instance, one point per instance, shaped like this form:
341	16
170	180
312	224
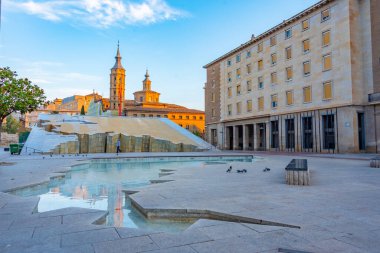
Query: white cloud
98	13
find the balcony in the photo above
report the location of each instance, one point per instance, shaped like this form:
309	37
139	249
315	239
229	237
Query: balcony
374	97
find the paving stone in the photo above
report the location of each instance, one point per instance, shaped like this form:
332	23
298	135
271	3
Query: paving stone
334	245
229	245
43	232
133	232
134	244
180	249
228	229
15	235
67	211
166	240
262	228
84	218
91	236
35	221
51	244
86	248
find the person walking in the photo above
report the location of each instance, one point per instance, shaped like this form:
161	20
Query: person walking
118	146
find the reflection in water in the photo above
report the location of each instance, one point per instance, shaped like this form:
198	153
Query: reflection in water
100	186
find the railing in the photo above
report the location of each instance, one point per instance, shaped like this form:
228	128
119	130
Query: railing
34	150
374	97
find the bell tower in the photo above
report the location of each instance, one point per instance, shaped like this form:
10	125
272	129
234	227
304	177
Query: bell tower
117	84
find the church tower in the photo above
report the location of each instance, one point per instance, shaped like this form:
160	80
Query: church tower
147	95
117	84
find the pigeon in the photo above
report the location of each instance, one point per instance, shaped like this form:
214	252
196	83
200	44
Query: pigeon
229	169
241	171
266	169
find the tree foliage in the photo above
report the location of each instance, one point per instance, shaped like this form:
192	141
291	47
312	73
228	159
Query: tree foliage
82	110
12	125
18	94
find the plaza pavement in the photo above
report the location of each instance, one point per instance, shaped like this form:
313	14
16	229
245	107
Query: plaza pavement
339	212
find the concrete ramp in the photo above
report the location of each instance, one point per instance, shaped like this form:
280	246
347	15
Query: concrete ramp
63	134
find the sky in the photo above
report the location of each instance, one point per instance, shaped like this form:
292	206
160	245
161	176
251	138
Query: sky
68	47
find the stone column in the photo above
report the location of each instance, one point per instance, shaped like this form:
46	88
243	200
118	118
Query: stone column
255	136
235	138
245	137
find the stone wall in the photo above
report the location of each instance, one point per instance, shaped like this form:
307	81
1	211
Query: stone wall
7	139
106	143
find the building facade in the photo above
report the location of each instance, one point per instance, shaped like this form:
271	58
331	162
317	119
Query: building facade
309	84
147	103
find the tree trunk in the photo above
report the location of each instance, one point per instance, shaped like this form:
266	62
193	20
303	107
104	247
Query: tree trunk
1	128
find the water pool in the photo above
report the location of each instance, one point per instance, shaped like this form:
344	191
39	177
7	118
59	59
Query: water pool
100	184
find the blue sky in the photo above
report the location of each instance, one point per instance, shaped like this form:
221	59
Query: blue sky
68	46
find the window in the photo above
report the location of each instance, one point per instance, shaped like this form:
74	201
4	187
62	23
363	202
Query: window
229	109
187	127
328	122
180	125
289	97
273	77
327	64
307	129
260	82
288	53
238	58
249	105
143	115
260	65
248	54
326	38
307	94
213	84
249	86
212	97
201	117
249	68
173	116
165	116
289	133
194	117
274	100
229	77
134	115
229	63
306	46
260	103
327	90
305	24
260	47
238	108
306	68
273	41
180	117
273	58
238	73
187	117
274	133
325	15
289	73
288	33
238	89
229	92
213	112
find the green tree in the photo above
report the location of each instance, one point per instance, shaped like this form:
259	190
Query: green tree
82	110
12	125
17	94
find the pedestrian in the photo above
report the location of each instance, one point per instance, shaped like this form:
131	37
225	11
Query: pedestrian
118	146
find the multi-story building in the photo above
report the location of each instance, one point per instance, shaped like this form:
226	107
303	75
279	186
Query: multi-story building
311	83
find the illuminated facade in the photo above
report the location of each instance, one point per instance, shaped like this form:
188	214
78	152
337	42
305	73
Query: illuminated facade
309	84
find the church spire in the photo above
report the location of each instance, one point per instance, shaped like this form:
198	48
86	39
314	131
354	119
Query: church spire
118	59
147	82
